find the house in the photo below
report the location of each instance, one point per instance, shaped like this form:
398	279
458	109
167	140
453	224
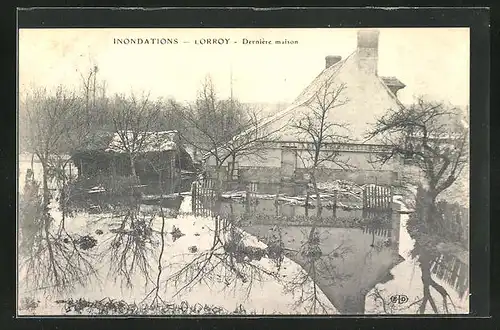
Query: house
369	97
158	153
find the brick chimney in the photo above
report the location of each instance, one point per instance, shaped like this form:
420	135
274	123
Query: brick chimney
393	84
331	60
368	51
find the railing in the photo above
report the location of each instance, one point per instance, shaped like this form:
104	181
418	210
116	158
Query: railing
454	272
203	197
377	198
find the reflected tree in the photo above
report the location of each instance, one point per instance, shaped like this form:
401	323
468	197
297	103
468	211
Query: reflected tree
433	138
319	270
228	264
131	247
54	262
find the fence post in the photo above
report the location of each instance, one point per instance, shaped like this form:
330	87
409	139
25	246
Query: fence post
335	203
70	176
193	197
247	201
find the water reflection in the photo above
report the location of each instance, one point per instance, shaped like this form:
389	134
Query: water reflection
226	265
54	260
157	258
130	246
272	208
346	253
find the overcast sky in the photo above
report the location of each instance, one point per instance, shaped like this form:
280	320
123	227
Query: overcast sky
430	61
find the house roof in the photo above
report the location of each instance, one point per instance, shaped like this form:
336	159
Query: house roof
328	73
332	73
98	141
152	141
303	98
321	78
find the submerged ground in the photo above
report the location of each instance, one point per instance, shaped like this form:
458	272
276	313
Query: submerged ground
135	260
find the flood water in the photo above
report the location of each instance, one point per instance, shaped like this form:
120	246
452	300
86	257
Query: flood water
269	207
147	259
345	260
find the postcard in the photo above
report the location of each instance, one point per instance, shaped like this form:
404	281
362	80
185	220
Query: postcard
237	171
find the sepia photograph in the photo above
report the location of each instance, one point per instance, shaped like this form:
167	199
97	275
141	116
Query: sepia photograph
238	171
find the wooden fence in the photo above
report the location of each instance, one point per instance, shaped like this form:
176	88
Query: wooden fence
377	198
377	202
381	232
203	198
454	272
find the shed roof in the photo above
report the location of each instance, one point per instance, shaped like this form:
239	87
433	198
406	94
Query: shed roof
150	141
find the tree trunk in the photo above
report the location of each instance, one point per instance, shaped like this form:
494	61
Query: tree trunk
233	159
62	202
307	201
45	184
429	222
316	191
432	218
354	304
218	192
425	267
132	166
52	259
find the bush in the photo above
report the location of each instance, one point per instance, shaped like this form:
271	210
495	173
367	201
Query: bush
119	307
455	222
449	223
29	304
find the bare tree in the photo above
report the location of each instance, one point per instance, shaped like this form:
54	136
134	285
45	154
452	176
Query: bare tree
95	100
320	134
134	120
51	125
435	140
429	134
226	129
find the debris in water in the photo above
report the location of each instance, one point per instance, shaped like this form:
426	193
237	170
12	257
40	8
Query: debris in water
176	233
196	234
99	232
193	249
86	242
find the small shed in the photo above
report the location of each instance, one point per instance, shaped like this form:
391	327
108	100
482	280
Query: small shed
155	154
